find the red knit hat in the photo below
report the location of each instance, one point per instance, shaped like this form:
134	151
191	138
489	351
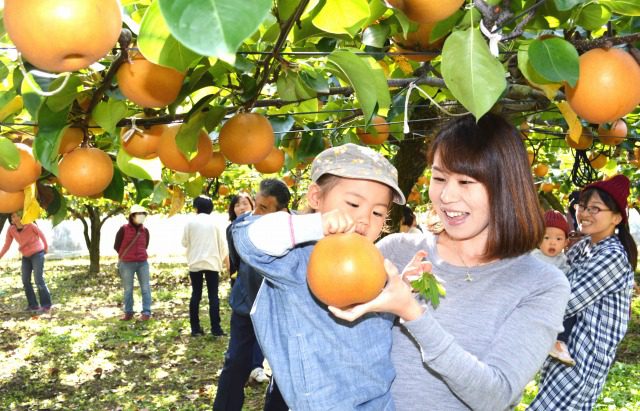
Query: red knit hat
553	218
618	188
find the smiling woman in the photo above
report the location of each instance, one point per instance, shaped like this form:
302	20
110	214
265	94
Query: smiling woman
491	332
601	276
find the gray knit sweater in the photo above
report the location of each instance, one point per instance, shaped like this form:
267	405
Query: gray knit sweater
486	339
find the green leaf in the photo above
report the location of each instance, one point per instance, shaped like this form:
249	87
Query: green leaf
286	85
4	71
366	77
64	98
50	126
139	168
115	189
342	16
624	7
194	186
444	27
555	59
214	27
286	8
315	81
593	16
108	113
472	74
30	98
144	188
525	67
187	137
9	154
160	193
158	45
281	125
430	288
564	5
61	213
214	116
375	36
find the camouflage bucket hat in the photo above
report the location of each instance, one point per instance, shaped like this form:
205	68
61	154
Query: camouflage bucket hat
358	162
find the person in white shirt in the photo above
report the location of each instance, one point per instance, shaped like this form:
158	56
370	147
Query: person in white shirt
206	252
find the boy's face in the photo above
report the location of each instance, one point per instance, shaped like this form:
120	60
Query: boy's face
366	201
553	242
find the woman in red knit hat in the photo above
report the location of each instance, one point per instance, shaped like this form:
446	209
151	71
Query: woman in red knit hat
601	277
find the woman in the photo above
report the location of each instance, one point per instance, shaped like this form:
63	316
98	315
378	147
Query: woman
242	203
601	278
503	307
131	243
206	253
33	246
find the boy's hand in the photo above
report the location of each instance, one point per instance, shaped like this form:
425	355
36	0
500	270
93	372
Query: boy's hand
337	221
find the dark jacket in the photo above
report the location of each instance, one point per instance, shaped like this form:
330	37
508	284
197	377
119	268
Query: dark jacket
248	281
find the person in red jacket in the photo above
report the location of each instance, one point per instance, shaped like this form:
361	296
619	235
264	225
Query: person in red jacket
33	246
131	244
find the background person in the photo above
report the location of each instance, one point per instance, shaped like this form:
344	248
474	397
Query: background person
409	222
131	243
503	307
240	204
206	252
240	358
33	246
601	277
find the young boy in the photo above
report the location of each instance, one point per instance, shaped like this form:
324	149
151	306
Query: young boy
551	250
320	362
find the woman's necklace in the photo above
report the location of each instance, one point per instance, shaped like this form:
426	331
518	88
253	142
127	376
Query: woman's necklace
468	277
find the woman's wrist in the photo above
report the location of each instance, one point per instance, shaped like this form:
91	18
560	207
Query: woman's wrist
411	311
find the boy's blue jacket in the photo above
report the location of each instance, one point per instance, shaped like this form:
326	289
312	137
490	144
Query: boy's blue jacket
319	362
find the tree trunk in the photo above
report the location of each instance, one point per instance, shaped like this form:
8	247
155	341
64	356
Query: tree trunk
94	243
3	219
411	158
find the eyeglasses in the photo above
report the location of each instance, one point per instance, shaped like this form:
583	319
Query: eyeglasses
593	210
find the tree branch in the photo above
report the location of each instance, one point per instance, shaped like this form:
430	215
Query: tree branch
585	45
123	55
275	55
111	213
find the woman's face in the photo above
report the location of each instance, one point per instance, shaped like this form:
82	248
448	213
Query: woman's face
600	225
242	206
462	203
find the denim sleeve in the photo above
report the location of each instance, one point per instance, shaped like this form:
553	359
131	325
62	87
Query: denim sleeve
286	270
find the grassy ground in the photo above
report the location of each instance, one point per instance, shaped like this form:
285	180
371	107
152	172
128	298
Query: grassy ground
80	357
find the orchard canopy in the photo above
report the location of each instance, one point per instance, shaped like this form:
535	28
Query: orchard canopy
156	101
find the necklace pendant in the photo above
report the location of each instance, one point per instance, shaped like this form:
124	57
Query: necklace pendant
468	278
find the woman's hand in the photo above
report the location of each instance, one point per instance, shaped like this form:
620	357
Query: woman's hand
396	297
337	221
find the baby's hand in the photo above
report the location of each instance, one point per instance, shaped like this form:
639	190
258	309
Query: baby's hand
337	221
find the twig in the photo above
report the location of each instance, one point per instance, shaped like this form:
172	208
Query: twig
585	45
284	33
